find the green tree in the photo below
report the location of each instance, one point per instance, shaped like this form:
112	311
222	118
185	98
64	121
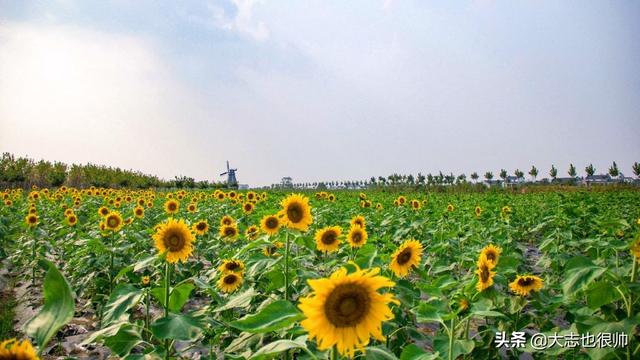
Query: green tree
533	172
590	170
636	169
572	171
613	170
553	172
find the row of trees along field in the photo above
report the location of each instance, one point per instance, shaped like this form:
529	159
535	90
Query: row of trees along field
25	172
397	180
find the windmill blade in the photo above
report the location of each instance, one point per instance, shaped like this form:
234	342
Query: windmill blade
223	174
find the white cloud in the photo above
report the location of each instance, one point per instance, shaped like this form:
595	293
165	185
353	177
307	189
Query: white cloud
242	22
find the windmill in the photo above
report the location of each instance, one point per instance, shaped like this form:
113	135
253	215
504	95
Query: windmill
231	176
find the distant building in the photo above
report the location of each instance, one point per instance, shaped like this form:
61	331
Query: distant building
513	180
243	187
597	179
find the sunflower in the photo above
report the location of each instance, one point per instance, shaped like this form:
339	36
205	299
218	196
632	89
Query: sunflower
146	280
406	257
328	238
297	212
450	207
485	274
357	236
68	212
251	196
232	194
231	266
18	350
402	200
396	202
525	284
362	196
415	204
358	221
491	253
171	206
8	202
103	211
201	227
230	282
176	239
228	232
72	219
31	220
138	212
247	207
192	208
345	310
331	197
252	232
478	211
227	220
270	224
221	196
113	221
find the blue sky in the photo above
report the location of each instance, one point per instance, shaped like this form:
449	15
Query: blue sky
321	90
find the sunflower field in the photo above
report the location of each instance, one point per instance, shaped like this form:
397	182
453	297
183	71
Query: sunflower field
372	274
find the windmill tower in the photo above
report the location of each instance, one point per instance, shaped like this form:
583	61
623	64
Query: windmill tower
231	176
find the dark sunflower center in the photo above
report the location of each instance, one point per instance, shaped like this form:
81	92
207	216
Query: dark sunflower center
272	223
232	266
404	256
484	274
359	223
347	305
229	231
524	282
104	211
112	222
247	207
32	220
329	237
356	237
174	242
226	221
201	226
295	213
230	279
172	206
491	256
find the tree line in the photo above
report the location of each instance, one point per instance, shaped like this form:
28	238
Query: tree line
25	172
441	179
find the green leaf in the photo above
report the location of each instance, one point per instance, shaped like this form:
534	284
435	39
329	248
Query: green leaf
58	307
579	273
241	300
124	340
179	296
274	316
601	293
276	347
177	327
123	298
460	347
379	353
413	352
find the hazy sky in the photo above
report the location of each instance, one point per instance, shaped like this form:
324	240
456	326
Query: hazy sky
321	90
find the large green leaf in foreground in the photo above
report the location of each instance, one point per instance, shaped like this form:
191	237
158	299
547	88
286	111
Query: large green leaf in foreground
58	307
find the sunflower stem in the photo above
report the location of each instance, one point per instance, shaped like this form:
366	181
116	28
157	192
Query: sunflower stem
167	283
334	353
33	250
451	334
147	318
286	268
